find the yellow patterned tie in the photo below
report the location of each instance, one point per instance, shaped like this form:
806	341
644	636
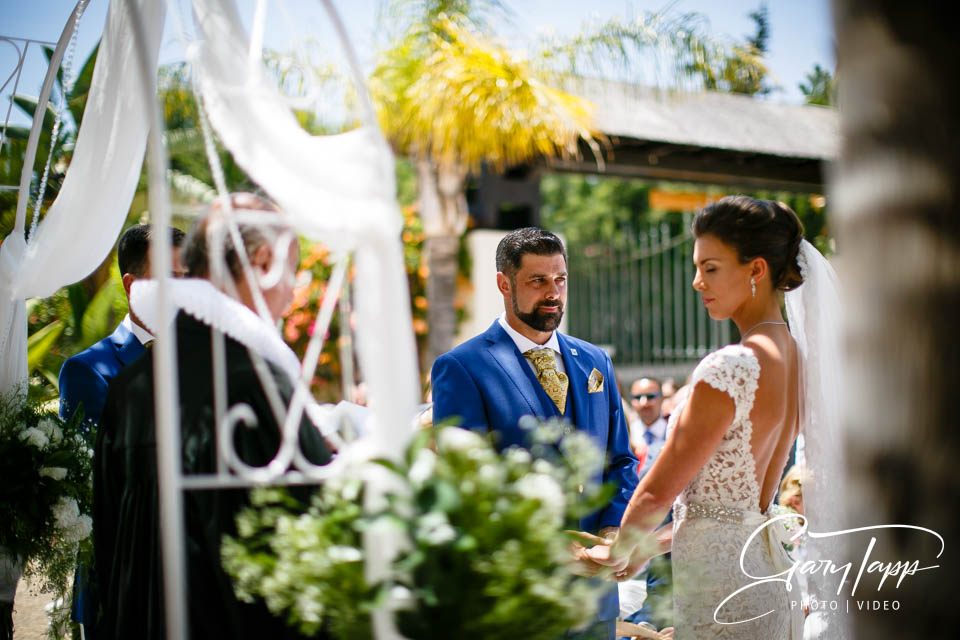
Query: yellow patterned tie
552	381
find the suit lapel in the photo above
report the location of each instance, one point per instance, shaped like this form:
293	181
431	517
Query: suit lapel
126	345
504	351
577	372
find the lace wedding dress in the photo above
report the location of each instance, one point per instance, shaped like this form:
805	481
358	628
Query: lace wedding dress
714	517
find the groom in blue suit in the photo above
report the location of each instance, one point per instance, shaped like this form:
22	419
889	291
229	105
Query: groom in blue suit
85	378
523	366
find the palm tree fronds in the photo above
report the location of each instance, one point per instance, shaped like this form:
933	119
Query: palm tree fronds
470	101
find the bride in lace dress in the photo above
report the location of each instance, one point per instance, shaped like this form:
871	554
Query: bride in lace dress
730	440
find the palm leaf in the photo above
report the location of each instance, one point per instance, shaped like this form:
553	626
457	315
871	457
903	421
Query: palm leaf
81	87
38	345
98	316
470	101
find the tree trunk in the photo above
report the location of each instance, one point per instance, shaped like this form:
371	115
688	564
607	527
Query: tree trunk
443	210
897	199
441	287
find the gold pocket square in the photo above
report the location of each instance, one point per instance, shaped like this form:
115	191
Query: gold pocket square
595	382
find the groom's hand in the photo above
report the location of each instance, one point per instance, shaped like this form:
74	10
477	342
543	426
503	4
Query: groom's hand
604	555
581	563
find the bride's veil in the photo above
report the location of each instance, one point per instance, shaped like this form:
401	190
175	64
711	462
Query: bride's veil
814	314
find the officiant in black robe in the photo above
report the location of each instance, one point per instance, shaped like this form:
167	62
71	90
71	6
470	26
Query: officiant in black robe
126	505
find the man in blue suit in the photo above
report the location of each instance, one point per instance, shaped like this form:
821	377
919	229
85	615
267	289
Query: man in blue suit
523	366
85	377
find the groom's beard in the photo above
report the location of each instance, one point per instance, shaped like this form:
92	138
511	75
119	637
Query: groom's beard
537	319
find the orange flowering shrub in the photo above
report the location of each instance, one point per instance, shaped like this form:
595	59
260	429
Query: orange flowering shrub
317	265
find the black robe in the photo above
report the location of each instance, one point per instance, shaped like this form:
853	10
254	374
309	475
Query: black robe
126	505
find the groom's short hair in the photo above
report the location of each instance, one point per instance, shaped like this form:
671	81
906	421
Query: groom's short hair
133	250
520	242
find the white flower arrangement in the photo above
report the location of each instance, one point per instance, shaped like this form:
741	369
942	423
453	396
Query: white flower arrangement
74	526
470	536
54	473
35	438
45	488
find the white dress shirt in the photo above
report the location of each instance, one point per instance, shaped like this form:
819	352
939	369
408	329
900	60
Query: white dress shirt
142	334
524	344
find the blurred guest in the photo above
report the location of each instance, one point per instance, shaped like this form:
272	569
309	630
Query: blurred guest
260	370
791	489
650	429
669	387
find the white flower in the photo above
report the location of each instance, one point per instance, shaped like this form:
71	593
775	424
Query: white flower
80	530
434	529
35	438
460	440
51	430
65	512
583	453
491	475
423	466
343	553
386	540
66	516
400	596
540	486
57	473
517	456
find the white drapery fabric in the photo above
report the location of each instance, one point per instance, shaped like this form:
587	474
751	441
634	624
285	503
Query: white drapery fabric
814	311
337	189
84	221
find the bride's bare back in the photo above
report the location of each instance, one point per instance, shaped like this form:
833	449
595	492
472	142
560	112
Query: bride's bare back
775	414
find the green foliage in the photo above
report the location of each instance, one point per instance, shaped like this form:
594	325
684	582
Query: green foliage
40	342
812	211
474	539
45	487
614	211
657	41
77	320
184	138
589	209
738	68
820	87
104	310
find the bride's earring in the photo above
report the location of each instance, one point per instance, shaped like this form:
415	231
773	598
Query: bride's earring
753	287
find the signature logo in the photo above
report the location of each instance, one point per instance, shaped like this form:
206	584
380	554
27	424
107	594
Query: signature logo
824	566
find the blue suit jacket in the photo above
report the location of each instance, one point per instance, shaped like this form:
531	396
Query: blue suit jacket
85	377
484	383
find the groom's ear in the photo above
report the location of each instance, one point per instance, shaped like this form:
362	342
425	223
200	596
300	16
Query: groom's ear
503	284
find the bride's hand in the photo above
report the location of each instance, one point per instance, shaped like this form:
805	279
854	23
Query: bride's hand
606	555
637	561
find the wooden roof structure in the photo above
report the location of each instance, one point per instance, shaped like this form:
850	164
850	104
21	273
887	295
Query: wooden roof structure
707	137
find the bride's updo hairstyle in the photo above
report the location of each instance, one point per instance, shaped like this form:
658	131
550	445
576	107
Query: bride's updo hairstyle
757	229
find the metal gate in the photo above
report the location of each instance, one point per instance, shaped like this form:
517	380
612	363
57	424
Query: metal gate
637	301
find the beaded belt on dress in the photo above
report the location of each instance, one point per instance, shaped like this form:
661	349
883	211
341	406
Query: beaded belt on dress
718	512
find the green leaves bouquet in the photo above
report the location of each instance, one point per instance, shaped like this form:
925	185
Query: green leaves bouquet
475	541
